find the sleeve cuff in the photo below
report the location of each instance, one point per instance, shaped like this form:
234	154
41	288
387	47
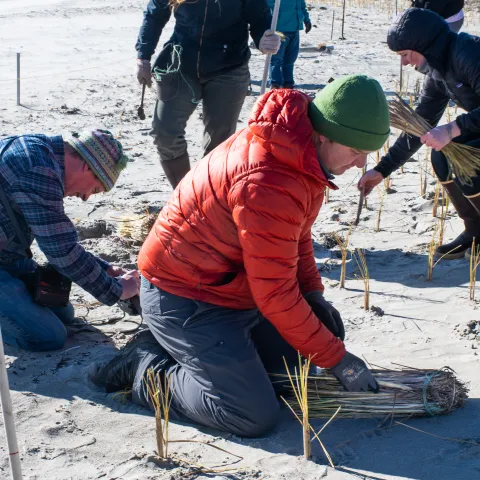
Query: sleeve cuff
383	169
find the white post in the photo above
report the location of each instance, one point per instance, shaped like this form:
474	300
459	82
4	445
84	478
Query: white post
276	10
18	78
8	420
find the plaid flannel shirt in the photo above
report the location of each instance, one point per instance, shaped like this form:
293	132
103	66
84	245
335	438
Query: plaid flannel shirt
32	177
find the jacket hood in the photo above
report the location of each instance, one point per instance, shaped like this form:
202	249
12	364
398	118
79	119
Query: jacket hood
424	32
280	123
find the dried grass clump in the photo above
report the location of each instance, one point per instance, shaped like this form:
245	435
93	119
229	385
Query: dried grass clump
407	391
463	159
136	227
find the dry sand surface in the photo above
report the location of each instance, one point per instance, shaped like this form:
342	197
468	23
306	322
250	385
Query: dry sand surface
77	70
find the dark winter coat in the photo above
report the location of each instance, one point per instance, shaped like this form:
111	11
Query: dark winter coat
454	60
445	8
211	36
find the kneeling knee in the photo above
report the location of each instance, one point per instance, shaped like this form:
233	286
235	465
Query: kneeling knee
259	422
53	342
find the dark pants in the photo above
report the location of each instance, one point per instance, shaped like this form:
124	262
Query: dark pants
282	63
442	169
221	358
179	95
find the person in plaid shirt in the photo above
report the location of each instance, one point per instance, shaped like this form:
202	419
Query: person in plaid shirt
36	173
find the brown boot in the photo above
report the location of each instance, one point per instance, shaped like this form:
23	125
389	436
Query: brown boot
176	169
475	201
471	217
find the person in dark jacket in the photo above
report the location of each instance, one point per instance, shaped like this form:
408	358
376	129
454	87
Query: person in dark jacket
292	17
450	10
454	74
205	59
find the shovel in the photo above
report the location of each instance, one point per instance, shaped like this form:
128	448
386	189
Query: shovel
140	111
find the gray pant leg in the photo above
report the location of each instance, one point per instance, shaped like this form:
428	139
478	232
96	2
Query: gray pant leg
177	98
219	380
223	98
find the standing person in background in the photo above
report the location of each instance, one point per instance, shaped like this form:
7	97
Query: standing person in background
292	17
450	10
206	59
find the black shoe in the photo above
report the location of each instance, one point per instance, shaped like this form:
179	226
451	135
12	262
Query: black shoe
274	86
289	86
142	351
455	249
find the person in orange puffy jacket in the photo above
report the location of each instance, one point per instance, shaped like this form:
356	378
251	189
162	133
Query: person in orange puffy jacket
229	280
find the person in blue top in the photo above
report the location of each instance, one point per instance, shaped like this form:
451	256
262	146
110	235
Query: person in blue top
292	17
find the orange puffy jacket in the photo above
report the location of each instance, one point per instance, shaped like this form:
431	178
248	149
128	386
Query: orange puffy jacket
236	231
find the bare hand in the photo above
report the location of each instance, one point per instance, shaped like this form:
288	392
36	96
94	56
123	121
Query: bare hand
114	271
144	72
369	181
130	283
269	43
440	137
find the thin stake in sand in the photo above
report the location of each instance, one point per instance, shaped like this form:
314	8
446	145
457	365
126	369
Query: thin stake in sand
8	420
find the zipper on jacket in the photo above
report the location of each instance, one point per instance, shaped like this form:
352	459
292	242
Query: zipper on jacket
201	39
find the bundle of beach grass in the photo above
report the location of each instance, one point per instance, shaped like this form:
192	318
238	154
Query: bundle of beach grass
403	392
463	159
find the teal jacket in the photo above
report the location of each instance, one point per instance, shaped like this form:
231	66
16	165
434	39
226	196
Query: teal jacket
292	15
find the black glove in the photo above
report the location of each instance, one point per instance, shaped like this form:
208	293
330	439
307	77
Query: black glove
354	375
308	26
326	313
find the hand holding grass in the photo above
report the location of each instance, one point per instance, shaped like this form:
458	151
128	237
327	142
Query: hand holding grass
440	137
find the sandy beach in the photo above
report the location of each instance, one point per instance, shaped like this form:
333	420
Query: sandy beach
77	69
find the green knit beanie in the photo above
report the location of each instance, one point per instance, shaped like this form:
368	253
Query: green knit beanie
352	111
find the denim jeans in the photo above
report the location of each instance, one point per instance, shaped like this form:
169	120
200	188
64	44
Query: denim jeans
282	63
25	324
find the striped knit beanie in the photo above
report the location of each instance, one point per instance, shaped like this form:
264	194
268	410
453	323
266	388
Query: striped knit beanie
103	154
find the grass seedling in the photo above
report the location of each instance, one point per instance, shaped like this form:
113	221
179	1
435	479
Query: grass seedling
299	384
443	218
380	208
474	262
362	266
343	244
431	253
160	395
435	199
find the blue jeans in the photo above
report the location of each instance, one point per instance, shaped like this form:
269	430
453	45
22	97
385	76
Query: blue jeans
25	324
282	63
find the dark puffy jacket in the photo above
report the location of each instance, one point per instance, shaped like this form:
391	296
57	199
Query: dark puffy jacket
212	34
445	8
455	75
